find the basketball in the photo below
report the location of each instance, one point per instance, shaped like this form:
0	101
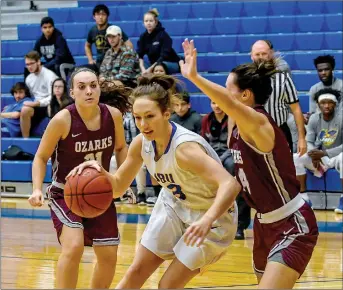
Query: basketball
89	194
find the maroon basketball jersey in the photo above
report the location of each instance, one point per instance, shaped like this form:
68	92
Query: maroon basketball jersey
82	144
268	179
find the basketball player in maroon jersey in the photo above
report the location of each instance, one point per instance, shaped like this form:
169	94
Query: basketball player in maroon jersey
83	131
285	228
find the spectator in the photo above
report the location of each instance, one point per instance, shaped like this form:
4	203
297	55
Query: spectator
60	98
184	115
10	123
214	129
39	83
283	97
160	69
325	66
324	140
120	62
97	33
53	48
156	43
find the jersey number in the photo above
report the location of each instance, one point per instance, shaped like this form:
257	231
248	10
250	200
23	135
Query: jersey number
97	156
177	191
244	180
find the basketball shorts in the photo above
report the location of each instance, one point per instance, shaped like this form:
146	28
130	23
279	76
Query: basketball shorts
98	231
164	235
289	241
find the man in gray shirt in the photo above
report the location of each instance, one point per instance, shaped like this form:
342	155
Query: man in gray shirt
325	65
324	139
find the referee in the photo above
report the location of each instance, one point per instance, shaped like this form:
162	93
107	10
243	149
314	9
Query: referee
283	97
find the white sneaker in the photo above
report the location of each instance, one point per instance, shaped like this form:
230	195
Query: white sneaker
151	201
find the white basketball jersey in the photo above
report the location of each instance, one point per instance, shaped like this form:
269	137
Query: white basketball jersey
180	187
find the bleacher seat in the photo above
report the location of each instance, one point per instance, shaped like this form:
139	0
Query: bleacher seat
255	8
334	6
176	27
254	25
304	101
203	10
178	11
333	40
229	9
282	8
130	13
309	41
333	181
314	183
281	24
310	7
23	171
226	26
310	23
333	22
200	26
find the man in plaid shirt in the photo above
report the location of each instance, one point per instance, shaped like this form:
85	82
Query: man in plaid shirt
120	64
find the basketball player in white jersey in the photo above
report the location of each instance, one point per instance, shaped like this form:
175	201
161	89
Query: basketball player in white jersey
195	218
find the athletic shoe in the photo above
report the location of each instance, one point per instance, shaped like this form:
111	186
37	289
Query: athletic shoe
339	209
151	201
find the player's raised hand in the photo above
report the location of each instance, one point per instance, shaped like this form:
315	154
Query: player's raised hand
78	169
189	65
197	232
36	198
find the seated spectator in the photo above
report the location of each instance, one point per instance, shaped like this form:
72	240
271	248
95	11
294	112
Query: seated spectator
53	48
324	140
325	66
97	36
156	43
60	98
10	123
39	83
160	69
120	63
214	129
184	115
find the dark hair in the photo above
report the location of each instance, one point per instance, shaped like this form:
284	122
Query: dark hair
158	88
116	96
33	55
162	65
65	99
20	86
76	71
47	20
101	7
183	96
331	91
325	59
256	78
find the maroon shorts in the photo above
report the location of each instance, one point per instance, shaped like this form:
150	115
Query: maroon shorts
290	241
98	231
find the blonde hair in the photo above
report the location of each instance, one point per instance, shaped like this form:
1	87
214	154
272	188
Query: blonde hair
154	12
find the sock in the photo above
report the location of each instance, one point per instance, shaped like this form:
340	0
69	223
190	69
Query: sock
157	189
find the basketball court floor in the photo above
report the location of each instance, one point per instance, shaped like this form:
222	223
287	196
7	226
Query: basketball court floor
29	252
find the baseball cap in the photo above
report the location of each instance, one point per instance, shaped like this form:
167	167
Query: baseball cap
113	30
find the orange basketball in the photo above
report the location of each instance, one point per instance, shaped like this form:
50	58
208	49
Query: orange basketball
88	194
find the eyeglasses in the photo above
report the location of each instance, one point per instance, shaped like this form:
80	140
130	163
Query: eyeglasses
30	64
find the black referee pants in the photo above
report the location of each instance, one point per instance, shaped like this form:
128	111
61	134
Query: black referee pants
285	129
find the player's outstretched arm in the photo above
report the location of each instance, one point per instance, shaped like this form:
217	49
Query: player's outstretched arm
125	174
191	157
56	129
253	126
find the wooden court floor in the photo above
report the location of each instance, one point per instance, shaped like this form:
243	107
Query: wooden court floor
29	251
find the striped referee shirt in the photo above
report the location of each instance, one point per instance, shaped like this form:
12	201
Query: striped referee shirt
284	93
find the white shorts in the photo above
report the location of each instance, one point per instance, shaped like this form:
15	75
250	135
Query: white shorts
164	236
306	162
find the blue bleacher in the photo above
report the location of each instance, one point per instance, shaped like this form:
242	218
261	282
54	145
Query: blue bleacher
223	33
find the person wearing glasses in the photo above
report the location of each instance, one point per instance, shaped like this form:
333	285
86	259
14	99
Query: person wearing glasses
39	82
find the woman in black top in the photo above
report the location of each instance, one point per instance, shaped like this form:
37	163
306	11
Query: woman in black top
60	98
156	43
